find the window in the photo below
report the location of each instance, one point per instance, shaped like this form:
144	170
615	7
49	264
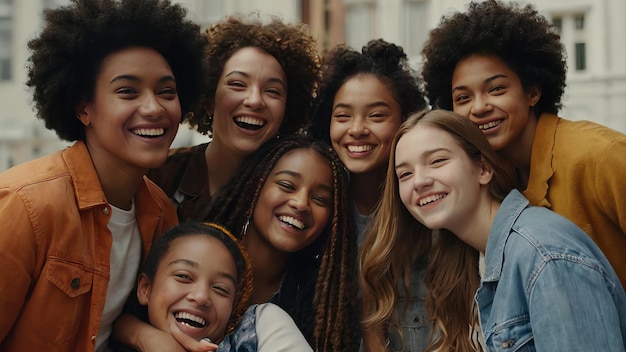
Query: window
6	38
571	27
581	59
415	27
359	23
579	20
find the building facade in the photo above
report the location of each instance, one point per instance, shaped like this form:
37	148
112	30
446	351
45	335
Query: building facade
592	31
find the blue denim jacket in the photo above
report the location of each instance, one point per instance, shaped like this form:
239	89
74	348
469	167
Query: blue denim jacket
414	321
547	286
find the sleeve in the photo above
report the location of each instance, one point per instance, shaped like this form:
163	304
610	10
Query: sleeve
609	181
572	308
17	258
277	332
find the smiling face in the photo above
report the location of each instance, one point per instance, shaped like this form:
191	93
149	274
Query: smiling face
193	289
365	118
249	101
135	112
295	202
491	95
438	182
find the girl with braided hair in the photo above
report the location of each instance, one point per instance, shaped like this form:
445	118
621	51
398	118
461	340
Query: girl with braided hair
363	98
288	206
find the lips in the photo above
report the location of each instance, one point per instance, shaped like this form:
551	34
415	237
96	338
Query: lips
249	123
291	221
148	132
359	148
190	320
489	125
431	198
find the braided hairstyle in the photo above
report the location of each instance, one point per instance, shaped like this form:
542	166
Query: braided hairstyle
385	60
319	289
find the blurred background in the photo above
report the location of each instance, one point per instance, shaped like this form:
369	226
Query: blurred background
593	31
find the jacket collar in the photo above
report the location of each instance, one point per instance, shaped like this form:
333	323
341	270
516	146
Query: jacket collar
89	192
541	157
510	209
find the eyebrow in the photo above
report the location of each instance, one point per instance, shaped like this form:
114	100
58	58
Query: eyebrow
369	106
488	80
272	79
298	176
137	79
425	154
193	264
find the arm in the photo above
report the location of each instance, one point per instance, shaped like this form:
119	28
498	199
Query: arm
131	331
276	331
17	259
608	176
572	309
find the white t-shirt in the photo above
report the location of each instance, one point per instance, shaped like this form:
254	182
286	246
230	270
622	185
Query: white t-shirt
125	258
277	332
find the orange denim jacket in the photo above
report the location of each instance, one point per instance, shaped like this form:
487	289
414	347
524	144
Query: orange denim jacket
54	250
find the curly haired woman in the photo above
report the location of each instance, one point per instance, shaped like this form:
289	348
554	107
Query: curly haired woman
261	80
116	77
503	66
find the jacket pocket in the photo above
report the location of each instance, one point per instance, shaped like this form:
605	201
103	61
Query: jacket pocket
60	301
512	335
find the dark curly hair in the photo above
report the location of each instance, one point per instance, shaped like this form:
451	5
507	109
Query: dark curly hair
291	45
66	57
528	44
240	256
319	291
385	60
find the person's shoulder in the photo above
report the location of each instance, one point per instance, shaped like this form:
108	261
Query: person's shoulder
48	167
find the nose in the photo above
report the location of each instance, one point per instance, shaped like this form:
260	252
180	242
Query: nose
200	294
254	99
421	180
480	106
151	106
358	127
299	201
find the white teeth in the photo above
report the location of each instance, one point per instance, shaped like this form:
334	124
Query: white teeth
431	199
489	125
152	132
359	148
292	221
249	120
190	317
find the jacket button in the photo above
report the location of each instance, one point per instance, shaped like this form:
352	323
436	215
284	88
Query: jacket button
105	211
508	343
75	283
416	319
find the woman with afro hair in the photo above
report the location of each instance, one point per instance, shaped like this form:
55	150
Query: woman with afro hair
261	80
116	78
502	66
